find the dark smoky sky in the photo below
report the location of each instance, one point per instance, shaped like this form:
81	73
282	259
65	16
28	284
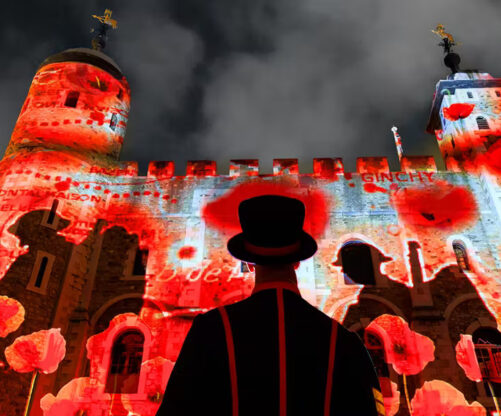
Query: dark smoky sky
223	79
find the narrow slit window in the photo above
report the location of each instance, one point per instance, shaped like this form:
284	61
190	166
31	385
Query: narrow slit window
72	99
140	261
120	94
52	213
113	122
461	255
482	123
470	94
41	272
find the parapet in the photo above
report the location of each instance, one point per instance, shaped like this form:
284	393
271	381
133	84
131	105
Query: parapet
418	163
372	165
322	167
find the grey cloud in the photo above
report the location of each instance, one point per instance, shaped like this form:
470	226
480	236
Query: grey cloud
225	79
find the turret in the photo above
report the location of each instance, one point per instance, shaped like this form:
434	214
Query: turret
465	117
78	102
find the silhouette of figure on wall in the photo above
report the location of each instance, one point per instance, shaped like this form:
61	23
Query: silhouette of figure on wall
272	353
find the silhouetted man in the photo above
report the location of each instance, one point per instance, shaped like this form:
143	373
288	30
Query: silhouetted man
272	353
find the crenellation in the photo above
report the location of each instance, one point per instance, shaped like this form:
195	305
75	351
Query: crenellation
285	167
327	167
161	169
418	163
200	168
373	165
244	167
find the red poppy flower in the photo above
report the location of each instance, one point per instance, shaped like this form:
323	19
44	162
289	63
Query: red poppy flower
11	315
467	359
222	212
392	403
442	206
81	393
406	350
458	111
41	351
157	372
438	398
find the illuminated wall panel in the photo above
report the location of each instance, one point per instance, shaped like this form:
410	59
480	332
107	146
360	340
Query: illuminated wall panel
431	240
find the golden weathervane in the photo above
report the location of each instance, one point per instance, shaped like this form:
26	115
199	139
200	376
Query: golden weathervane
106	19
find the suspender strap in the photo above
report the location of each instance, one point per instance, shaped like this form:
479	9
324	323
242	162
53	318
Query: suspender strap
231	360
330	369
282	352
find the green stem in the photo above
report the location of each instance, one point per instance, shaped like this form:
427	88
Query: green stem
407	396
34	379
493	397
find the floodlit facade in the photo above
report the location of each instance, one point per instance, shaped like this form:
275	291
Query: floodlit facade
102	271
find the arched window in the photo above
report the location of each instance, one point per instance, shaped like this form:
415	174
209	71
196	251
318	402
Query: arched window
125	365
461	255
482	123
357	264
488	351
113	121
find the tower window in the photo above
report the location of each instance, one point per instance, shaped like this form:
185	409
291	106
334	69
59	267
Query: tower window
482	123
470	94
72	99
357	264
113	121
461	255
52	212
50	218
40	273
498	93
140	261
125	366
120	94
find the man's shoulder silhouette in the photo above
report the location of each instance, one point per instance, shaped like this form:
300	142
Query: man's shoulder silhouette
272	353
254	326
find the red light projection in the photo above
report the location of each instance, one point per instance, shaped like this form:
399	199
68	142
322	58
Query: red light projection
492	158
439	398
11	315
392	401
467	359
406	350
186	252
372	188
80	394
73	105
431	206
458	111
64	149
222	213
41	351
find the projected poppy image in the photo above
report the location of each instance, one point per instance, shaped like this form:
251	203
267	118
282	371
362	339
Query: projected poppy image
112	281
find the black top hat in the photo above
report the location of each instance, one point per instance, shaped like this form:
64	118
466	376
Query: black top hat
273	232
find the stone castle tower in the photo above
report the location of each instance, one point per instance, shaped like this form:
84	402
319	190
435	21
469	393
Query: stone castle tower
122	263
